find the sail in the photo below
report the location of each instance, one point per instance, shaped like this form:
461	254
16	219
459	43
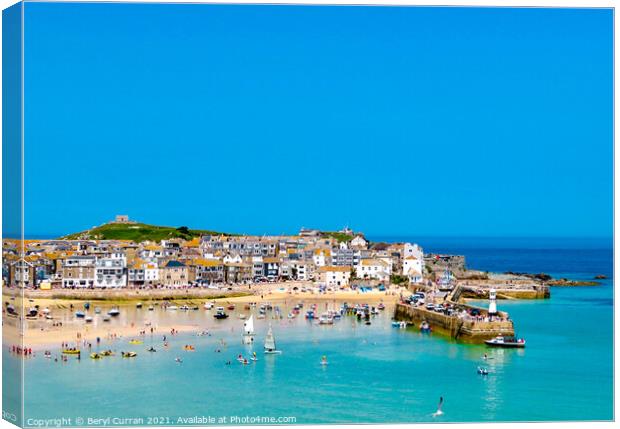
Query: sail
248	326
270	342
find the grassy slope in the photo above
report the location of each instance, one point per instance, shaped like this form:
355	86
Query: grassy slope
339	236
137	232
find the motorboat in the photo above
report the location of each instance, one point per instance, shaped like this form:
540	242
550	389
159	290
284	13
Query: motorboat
151	308
114	312
129	354
80	314
220	313
172	308
483	371
208	306
139	305
506	342
425	327
88	319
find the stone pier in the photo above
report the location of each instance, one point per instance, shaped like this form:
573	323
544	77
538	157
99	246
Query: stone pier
458	328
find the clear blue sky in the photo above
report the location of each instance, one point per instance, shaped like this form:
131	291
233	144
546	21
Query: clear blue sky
262	119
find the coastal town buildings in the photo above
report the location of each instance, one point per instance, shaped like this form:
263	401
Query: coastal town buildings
337	259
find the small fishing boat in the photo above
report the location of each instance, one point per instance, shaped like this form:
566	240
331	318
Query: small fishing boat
310	314
32	313
242	316
95	356
483	371
114	312
46	311
80	314
106	318
189	348
220	314
88	319
139	305
151	308
506	342
184	308
129	354
86	305
324	360
381	306
270	343
107	353
425	327
231	307
208	306
151	349
172	308
97	310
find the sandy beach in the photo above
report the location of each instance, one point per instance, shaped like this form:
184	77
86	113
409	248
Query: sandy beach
40	335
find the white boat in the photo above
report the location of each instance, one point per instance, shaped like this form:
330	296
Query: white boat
326	319
114	312
97	310
172	307
242	316
208	305
88	319
46	311
151	308
270	343
248	330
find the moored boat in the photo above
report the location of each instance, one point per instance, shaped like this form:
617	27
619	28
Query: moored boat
220	314
506	342
114	312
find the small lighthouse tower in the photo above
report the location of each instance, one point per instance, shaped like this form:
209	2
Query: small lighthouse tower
492	303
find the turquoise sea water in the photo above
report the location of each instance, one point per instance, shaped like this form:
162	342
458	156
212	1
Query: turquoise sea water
375	374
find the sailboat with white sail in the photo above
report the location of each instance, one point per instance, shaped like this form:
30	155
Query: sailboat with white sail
248	331
270	343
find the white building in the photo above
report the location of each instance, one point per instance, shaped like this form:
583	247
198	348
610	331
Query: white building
359	242
110	272
334	276
321	257
412	268
375	269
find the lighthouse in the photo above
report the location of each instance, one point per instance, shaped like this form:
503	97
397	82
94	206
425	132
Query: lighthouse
492	303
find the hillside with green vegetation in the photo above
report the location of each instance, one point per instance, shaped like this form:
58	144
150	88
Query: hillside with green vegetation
338	236
139	232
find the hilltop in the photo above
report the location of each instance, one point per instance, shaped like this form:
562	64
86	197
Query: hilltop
139	232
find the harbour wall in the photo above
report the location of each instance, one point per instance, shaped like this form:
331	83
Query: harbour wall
466	330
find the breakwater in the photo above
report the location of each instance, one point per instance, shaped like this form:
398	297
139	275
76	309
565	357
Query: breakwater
471	329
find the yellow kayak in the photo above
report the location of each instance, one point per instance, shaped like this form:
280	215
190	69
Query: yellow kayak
129	354
71	351
135	342
107	353
95	356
